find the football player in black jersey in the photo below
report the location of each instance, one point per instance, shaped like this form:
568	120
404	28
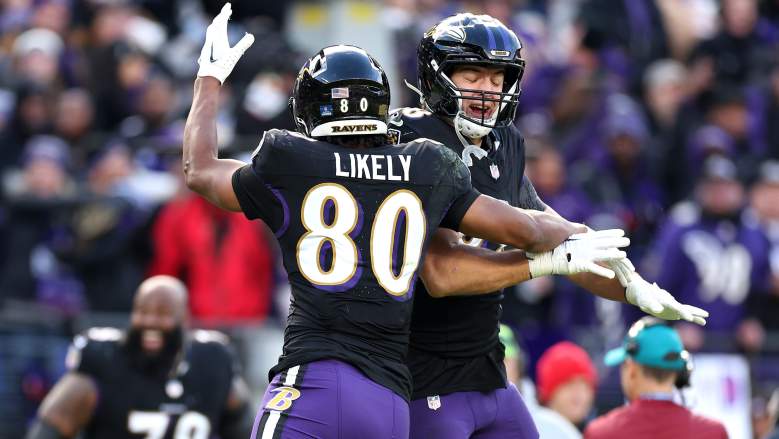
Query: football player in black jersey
157	379
470	70
352	214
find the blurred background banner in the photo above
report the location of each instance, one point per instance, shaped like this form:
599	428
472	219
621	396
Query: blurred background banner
721	390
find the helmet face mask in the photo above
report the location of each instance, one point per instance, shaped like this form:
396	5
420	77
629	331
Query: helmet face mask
341	91
470	40
501	102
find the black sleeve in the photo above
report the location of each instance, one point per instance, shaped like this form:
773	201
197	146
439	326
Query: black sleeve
253	187
259	200
528	197
457	210
464	193
86	355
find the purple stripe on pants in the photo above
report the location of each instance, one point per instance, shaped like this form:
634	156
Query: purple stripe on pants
329	399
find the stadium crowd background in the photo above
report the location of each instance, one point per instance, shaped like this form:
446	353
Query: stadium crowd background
657	116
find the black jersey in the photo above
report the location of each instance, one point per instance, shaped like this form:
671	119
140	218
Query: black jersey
454	344
352	225
189	402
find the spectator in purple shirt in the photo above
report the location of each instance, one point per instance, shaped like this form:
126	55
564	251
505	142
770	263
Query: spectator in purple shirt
709	255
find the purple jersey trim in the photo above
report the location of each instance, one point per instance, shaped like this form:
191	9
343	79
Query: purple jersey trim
285	207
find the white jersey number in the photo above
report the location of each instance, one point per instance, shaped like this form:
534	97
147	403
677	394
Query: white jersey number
724	269
336	234
191	425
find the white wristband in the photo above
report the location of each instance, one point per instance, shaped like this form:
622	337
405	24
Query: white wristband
540	264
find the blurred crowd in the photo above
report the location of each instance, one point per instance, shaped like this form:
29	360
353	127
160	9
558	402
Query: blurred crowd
660	117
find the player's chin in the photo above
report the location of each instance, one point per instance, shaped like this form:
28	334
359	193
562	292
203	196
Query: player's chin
151	352
152	341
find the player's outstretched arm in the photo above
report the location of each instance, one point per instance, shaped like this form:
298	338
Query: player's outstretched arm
452	268
532	231
608	288
628	286
67	409
204	172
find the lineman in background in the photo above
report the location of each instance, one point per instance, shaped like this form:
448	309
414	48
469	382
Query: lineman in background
153	380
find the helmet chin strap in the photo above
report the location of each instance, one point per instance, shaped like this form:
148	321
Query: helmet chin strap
470	129
416	90
468	148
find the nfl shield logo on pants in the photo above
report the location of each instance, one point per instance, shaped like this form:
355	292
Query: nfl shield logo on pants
434	402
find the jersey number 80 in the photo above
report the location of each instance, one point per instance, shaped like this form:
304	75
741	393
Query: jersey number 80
337	234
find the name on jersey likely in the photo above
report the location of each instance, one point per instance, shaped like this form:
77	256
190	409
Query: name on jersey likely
373	166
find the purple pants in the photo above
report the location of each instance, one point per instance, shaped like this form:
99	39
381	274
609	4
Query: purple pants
500	414
329	399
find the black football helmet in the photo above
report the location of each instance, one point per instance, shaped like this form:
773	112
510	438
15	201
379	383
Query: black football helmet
468	39
341	91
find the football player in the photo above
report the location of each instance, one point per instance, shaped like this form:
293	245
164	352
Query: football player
470	70
352	214
156	379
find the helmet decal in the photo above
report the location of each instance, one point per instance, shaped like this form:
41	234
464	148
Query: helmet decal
341	91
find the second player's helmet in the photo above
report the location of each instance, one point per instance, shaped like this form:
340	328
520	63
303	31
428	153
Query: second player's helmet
471	40
341	91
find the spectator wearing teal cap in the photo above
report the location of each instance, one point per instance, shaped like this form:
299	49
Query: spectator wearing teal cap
653	363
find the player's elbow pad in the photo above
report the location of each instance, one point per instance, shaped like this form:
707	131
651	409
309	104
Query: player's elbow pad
43	430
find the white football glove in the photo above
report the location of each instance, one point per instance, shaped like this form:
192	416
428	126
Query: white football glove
658	302
580	253
217	58
624	269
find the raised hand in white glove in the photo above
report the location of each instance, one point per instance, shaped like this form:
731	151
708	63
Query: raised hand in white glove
660	303
581	253
217	58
